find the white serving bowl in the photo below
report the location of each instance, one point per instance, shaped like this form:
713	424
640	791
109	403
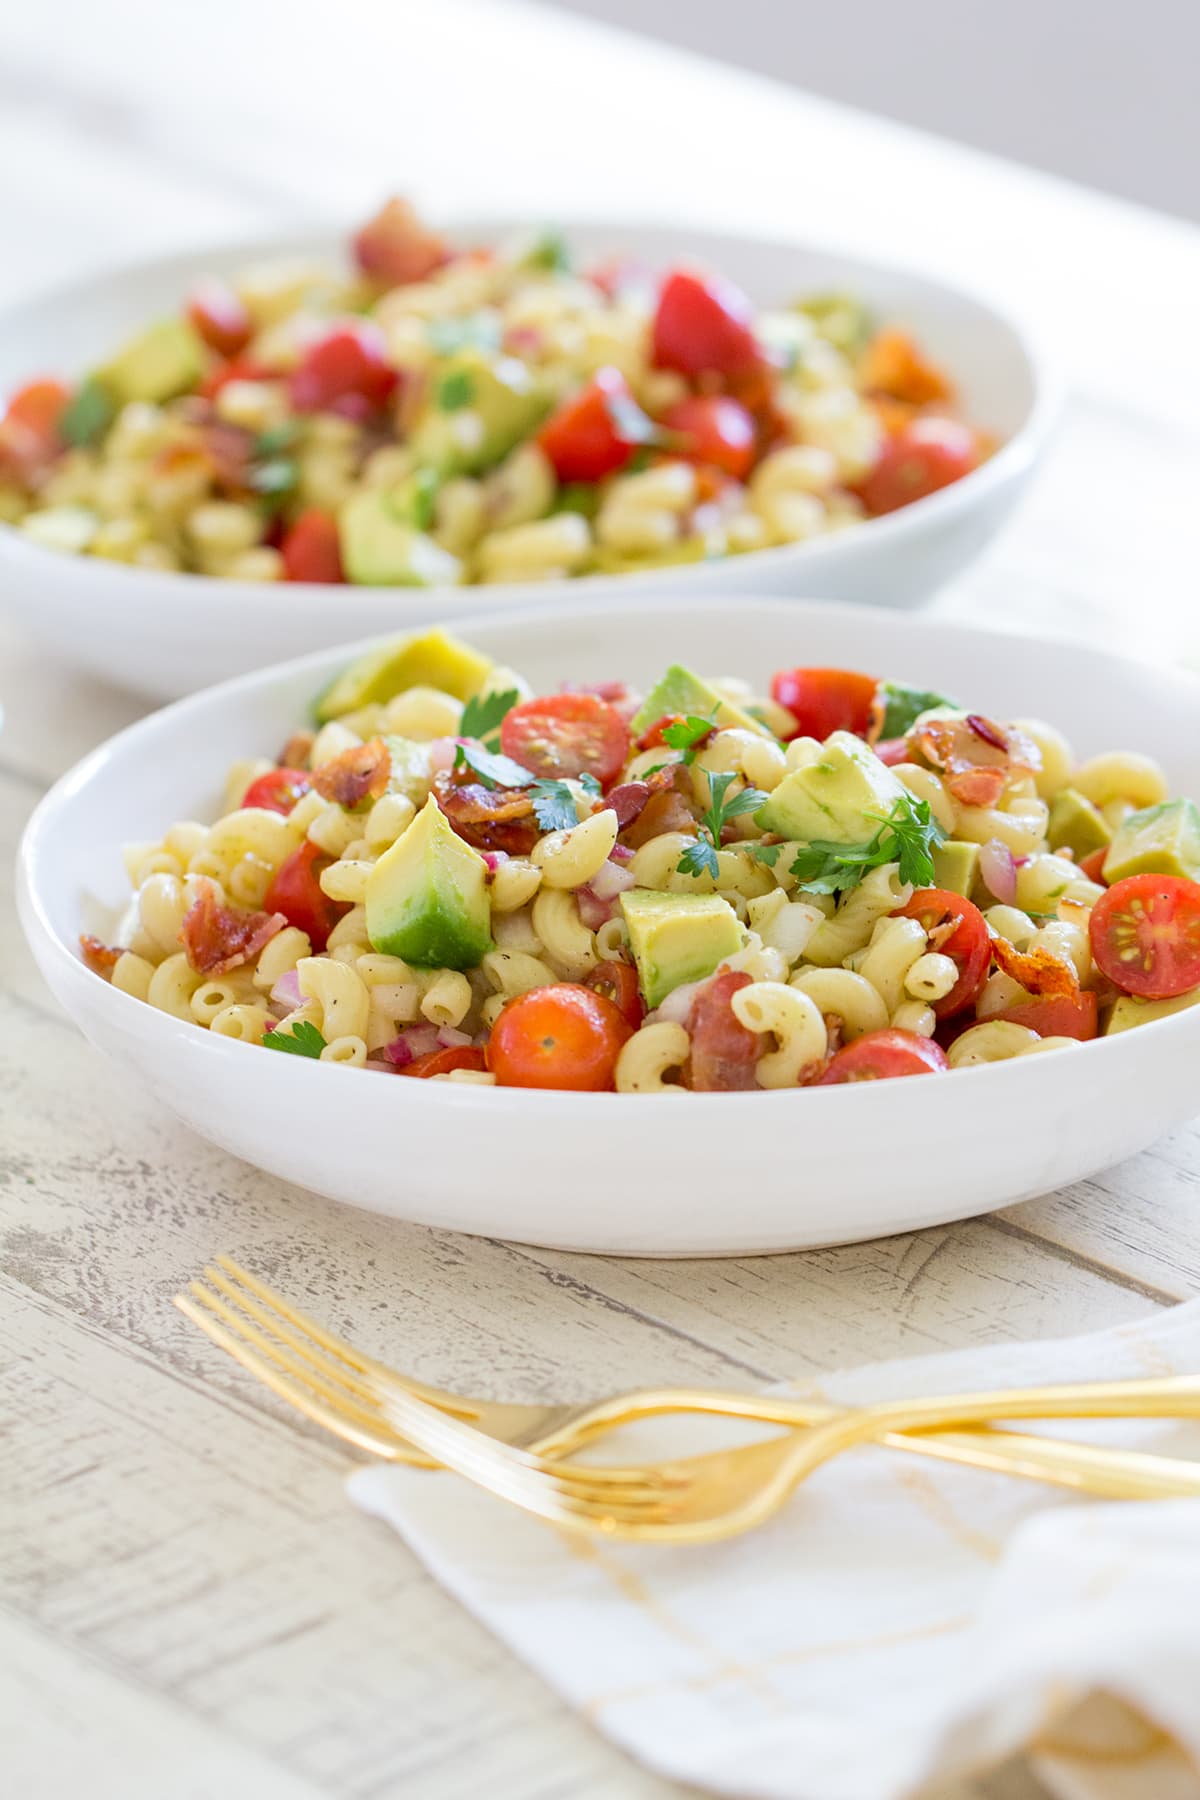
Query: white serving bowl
680	1175
169	634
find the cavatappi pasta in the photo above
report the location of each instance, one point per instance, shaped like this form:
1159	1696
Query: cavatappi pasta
693	889
433	415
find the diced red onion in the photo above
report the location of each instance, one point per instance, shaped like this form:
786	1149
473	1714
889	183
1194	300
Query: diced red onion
450	1038
442	753
611	879
999	871
592	910
678	1003
379	1062
397	1053
493	858
414	1040
620	853
286	991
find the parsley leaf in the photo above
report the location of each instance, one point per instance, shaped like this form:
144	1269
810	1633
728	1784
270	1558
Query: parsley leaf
492	769
700	858
276	438
87	415
483	716
907	836
275	477
687	734
765	853
554	805
548	250
455	390
903	706
302	1040
589	784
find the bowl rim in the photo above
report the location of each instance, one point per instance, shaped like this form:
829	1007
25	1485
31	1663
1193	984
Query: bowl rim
1014	458
37	923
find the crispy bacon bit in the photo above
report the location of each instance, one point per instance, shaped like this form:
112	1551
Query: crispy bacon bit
488	818
218	938
627	801
893	365
358	774
1038	970
668	806
976	756
100	958
724	1053
295	752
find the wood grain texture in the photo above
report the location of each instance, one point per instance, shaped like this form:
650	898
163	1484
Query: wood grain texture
188	1608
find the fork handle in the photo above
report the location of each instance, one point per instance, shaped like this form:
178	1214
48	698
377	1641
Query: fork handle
1107	1473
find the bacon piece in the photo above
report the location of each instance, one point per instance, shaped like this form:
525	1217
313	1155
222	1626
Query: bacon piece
218	938
724	1054
395	247
668	806
100	958
627	801
488	818
894	366
295	752
975	756
357	774
1038	970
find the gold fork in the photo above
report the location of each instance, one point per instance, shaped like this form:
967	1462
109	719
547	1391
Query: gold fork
357	1397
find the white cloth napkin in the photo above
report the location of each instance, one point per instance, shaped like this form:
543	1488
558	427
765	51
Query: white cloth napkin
901	1625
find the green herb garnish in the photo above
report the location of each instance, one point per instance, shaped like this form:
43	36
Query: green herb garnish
688	734
700	858
478	331
554	805
483	716
908	836
903	706
548	250
276	438
493	770
274	478
87	415
455	390
302	1040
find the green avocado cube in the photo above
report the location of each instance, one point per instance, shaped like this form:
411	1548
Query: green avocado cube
679	691
161	362
427	897
839	797
381	547
1129	1011
480	407
1159	840
955	866
1075	824
676	938
425	659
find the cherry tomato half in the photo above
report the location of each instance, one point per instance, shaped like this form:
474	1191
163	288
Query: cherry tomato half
1093	864
596	431
38	407
923	456
618	982
1056	1015
825	700
1145	934
311	548
441	1062
724	1052
716	430
278	790
395	247
296	892
567	734
882	1055
968	943
236	368
218	314
558	1037
350	360
703	323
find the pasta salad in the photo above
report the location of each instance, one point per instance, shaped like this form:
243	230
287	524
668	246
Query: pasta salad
434	415
450	877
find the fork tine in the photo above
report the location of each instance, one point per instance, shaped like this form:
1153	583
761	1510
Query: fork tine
337	1372
271	1378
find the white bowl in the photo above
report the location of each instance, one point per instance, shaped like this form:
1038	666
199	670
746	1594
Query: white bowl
171	634
684	1175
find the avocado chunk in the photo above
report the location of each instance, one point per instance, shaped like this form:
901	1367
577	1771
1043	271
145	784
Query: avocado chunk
480	407
428	659
679	691
381	547
1129	1011
955	867
427	897
839	797
903	706
1159	840
1076	825
676	938
164	360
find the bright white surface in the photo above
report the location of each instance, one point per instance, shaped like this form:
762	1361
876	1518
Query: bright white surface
730	1175
900	1624
167	635
188	1608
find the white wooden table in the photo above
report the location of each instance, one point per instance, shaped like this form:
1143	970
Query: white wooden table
188	1608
